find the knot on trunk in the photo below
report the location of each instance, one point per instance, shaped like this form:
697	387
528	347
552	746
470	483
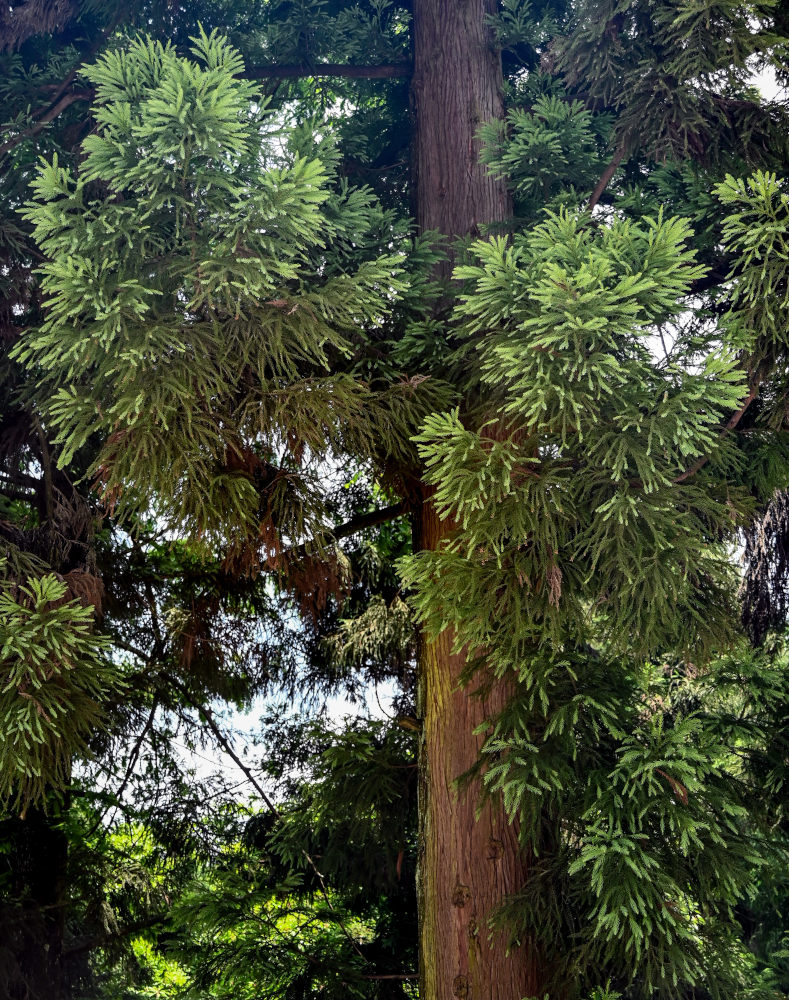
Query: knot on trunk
460	986
461	895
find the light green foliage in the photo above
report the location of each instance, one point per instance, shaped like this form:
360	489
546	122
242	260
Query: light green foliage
247	938
54	676
570	504
371	635
203	310
756	229
652	773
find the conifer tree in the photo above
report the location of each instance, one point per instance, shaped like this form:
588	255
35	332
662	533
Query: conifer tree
576	492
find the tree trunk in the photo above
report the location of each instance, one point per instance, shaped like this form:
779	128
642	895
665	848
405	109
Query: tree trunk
456	87
468	863
32	918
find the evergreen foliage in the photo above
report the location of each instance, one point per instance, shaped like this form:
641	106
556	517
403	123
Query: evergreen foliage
224	338
257	924
231	329
55	677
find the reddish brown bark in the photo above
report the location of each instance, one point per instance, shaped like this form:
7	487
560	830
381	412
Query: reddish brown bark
470	859
456	86
469	863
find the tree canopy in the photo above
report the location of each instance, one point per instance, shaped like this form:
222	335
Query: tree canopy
348	344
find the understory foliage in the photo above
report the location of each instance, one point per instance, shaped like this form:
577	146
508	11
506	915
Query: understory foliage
225	360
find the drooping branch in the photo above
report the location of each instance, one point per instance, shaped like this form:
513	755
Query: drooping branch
205	713
19	22
132	762
59	90
387	71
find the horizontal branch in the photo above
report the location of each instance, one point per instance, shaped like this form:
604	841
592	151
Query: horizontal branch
387	71
12	493
45	119
399	975
358	523
715	277
369	520
13	477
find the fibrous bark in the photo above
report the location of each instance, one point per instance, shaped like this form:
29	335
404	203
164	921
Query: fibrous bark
469	862
470	859
456	87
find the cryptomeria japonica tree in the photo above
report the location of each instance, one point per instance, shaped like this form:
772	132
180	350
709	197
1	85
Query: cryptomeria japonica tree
571	375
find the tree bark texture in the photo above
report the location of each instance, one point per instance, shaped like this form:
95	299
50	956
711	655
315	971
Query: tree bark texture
470	858
456	86
469	863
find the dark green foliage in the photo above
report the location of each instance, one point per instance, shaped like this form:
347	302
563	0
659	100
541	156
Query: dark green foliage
259	922
677	76
550	151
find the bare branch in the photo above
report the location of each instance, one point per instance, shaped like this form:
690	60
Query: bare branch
133	756
45	119
369	520
608	173
402	975
356	524
287	72
46	465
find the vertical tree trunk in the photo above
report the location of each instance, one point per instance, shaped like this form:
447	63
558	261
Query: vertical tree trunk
456	87
32	919
468	863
